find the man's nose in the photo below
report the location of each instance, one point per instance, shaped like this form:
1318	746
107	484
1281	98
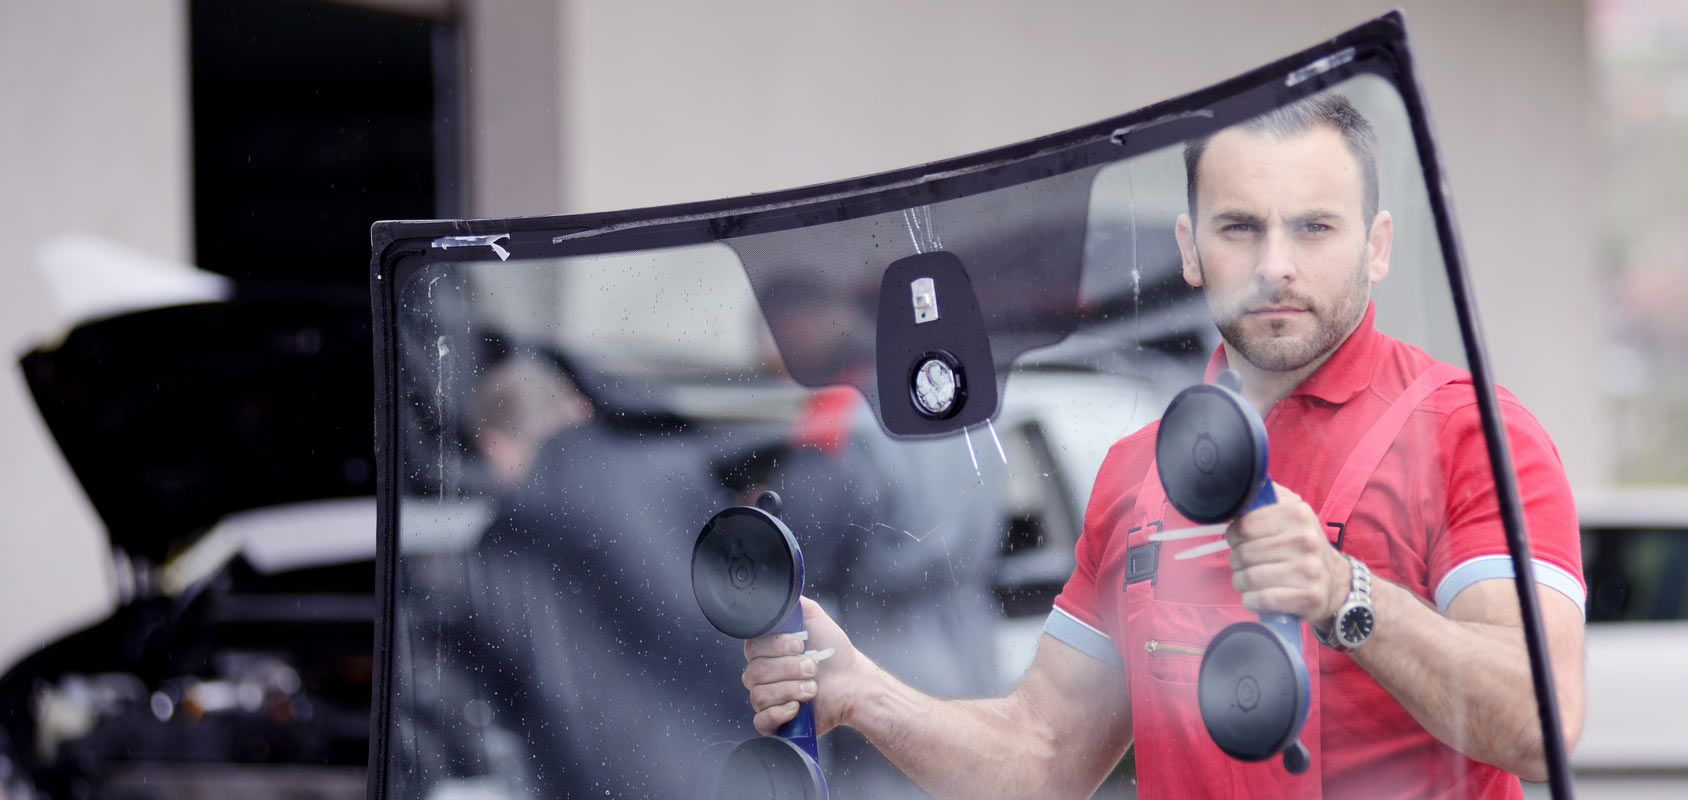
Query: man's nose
1277	258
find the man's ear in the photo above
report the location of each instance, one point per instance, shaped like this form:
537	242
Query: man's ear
1378	242
1186	234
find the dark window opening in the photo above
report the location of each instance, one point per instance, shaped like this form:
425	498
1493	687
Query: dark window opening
321	117
1636	574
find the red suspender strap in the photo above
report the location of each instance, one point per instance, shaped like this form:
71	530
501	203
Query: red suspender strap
1357	472
1151	495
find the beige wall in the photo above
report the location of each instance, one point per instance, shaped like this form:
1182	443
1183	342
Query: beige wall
93	138
579	105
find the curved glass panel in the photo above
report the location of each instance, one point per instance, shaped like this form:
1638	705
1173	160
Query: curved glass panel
565	421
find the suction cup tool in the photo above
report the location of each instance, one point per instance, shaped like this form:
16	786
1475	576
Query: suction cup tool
771	768
1250	692
1253	688
746	572
1211	453
747	575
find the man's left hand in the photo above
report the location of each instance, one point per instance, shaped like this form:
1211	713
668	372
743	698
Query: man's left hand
1281	561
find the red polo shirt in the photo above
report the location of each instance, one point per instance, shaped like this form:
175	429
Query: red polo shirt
1427	520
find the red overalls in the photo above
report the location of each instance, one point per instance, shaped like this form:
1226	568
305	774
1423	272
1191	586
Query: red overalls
1169	619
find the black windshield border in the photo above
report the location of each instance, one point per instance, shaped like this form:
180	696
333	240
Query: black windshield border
399	249
1378	47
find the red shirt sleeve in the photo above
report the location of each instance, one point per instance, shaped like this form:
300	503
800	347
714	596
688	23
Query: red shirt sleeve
1472	541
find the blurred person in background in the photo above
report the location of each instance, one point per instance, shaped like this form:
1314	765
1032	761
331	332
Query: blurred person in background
572	658
522	401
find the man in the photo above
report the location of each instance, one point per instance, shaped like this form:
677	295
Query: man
1285	238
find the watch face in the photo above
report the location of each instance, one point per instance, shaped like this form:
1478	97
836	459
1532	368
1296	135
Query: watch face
1355	626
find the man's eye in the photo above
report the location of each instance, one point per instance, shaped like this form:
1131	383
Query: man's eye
1315	227
1239	227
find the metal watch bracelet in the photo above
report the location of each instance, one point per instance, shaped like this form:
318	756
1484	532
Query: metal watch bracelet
1359	594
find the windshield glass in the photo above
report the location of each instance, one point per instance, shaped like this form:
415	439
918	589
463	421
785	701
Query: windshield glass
954	395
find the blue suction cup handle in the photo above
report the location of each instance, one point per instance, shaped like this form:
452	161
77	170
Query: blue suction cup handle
801	729
1286	625
1264	497
1295	757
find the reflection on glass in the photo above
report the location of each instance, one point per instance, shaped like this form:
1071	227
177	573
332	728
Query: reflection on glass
557	651
569	425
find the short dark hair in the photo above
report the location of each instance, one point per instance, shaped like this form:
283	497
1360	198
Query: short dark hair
1295	119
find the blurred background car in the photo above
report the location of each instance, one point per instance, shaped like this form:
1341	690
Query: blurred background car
1635	561
224	445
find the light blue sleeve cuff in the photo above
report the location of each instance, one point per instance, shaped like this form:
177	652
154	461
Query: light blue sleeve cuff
1074	632
1484	568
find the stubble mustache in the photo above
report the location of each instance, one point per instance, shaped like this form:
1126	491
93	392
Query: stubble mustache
1282	297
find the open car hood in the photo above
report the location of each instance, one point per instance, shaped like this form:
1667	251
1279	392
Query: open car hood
172	418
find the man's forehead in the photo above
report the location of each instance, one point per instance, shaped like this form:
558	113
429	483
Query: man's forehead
1249	168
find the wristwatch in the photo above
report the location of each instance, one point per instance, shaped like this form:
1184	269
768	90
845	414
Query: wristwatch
1354	619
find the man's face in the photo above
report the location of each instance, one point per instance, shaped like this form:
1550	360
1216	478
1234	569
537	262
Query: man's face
1280	245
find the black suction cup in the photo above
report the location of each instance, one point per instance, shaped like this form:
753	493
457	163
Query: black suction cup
770	767
1210	453
744	572
1249	692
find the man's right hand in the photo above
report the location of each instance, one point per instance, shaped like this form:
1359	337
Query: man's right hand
1057	735
779	676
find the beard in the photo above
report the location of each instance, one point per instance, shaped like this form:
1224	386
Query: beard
1276	349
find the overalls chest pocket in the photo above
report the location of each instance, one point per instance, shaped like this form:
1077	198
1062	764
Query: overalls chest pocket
1180	609
1174	599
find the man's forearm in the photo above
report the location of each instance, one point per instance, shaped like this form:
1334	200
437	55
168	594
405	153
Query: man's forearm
1466	682
1056	735
996	747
